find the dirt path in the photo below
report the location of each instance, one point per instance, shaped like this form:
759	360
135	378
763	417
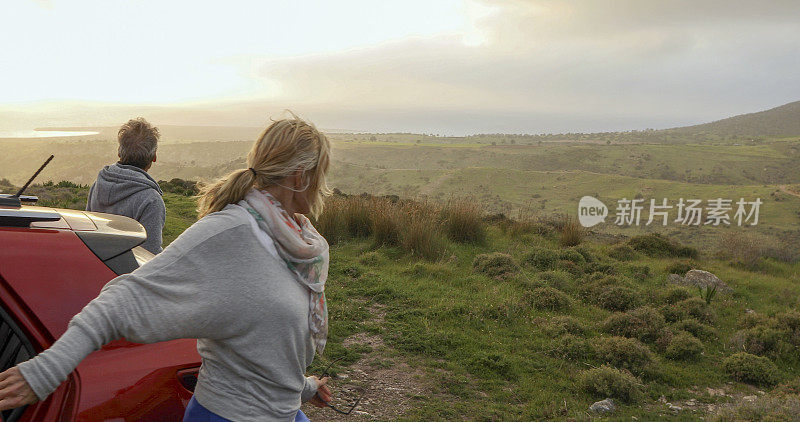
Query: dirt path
386	383
788	190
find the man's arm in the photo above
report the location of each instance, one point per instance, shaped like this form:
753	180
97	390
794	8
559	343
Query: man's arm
153	218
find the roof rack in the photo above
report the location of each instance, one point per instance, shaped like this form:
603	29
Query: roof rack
24	218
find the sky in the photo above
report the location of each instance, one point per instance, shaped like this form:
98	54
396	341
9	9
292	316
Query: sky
433	66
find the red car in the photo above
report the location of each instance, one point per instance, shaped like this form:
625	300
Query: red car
52	263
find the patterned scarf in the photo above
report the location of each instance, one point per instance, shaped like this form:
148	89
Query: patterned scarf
303	249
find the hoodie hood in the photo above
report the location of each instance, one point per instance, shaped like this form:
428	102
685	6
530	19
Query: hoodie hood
118	182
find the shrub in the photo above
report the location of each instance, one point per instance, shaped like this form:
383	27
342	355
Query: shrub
754	319
558	279
693	307
463	221
541	258
564	325
745	249
331	223
596	267
679	267
767	408
642	323
386	222
616	298
587	255
684	346
571	255
606	381
657	245
548	298
696	328
357	216
422	237
570	267
751	369
622	253
676	294
789	323
624	352
574	348
759	340
495	265
572	232
176	185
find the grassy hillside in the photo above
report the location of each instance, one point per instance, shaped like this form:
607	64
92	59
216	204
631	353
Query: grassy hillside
776	122
439	313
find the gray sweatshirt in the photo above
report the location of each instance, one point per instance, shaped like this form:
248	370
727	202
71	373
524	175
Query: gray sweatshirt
218	282
128	190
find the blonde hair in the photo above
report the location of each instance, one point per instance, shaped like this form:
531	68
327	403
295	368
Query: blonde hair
286	146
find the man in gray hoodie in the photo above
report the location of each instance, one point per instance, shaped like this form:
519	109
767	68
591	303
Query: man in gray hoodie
126	189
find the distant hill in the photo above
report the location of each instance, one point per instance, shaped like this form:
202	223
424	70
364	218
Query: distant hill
776	122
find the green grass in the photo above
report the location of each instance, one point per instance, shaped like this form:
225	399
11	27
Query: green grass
487	349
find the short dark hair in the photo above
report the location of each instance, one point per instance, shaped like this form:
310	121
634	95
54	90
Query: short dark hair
138	141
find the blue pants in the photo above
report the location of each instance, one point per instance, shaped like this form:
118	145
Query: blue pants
195	412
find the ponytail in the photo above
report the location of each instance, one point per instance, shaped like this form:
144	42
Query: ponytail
228	190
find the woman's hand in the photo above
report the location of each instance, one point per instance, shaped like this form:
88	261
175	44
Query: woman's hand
14	390
323	395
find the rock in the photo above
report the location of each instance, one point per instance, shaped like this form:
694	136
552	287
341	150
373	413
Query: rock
675	279
691	402
749	398
715	391
705	279
603	406
674	408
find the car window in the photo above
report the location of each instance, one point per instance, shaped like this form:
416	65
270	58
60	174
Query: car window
14	348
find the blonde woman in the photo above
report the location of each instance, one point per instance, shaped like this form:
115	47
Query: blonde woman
246	280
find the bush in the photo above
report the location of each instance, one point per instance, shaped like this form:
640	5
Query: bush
463	221
573	348
541	259
754	319
679	267
176	186
548	298
696	328
495	265
745	249
694	307
624	352
616	298
357	216
642	323
331	224
422	237
558	279
759	340
676	294
767	408
572	232
751	369
564	325
789	323
622	253
606	381
386	222
587	255
571	255
684	346
656	245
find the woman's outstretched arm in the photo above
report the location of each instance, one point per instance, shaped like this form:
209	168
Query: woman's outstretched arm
176	295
